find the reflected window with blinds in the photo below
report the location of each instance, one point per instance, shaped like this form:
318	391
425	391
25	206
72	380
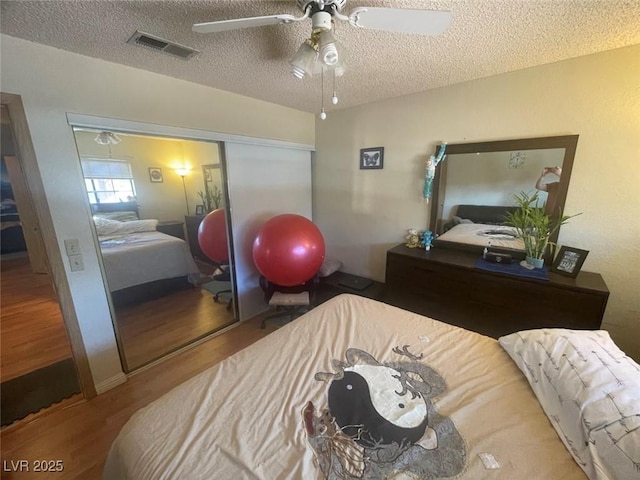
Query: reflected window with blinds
108	181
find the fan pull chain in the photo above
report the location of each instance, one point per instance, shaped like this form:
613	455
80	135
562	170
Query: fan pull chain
323	114
334	99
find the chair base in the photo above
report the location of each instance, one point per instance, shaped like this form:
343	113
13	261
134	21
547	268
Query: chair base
288	301
292	311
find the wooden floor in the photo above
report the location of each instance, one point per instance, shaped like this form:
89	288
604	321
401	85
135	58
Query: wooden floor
154	328
31	326
80	435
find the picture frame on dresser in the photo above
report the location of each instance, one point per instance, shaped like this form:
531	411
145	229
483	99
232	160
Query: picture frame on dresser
569	261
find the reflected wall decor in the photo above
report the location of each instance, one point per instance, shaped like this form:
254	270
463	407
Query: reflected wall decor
155	175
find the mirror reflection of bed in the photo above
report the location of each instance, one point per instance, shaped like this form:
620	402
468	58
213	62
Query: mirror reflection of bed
140	202
475	186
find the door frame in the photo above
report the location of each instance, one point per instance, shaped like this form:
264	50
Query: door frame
27	157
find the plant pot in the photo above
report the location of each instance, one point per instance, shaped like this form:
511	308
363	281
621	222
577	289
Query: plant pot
536	262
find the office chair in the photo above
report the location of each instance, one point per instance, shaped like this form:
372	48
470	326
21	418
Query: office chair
289	301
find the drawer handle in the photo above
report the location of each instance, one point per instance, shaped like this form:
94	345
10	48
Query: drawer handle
422	269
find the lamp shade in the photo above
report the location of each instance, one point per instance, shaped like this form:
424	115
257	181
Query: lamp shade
304	59
328	51
106	138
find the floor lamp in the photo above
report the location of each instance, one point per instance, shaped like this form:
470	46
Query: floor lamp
183	173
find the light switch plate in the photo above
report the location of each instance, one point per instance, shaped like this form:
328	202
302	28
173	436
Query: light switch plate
76	262
72	246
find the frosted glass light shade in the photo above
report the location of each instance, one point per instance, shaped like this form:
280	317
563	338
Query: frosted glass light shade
328	50
304	59
106	138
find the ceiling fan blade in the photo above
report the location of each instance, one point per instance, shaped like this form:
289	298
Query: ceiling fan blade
422	22
237	23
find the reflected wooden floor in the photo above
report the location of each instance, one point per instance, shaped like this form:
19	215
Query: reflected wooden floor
31	326
154	328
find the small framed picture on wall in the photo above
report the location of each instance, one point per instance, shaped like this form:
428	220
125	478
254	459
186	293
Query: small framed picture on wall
199	209
155	175
569	261
371	158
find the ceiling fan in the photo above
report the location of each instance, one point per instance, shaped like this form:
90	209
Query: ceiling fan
321	51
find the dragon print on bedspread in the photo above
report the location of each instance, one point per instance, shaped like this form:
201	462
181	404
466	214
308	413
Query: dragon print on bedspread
381	423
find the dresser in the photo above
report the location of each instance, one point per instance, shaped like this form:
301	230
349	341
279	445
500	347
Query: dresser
444	284
172	227
192	222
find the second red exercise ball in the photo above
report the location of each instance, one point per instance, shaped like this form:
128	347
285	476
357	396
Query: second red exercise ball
212	236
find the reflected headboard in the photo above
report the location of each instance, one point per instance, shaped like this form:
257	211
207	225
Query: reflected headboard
115	207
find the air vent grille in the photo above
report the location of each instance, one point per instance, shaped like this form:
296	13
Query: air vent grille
162	45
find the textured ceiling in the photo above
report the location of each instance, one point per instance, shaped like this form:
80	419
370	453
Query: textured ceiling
485	38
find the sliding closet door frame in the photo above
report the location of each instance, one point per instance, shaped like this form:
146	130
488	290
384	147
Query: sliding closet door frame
223	140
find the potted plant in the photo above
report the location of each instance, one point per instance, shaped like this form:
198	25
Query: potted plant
534	226
211	199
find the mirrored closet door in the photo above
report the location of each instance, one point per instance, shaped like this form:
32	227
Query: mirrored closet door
148	195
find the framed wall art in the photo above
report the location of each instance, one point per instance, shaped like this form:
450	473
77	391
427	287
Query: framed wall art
155	175
371	158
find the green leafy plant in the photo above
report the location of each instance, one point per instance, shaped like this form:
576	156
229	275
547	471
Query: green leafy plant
533	225
211	199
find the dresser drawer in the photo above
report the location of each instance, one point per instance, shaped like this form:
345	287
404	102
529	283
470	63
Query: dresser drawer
426	278
549	306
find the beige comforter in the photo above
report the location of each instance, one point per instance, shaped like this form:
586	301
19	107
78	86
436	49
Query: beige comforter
258	414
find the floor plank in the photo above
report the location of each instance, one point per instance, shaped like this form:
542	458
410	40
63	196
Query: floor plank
157	327
32	330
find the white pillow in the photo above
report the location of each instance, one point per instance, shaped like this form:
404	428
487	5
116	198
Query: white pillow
590	391
104	226
123	216
329	265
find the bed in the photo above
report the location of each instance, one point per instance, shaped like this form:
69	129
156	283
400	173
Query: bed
483	235
409	397
474	227
140	262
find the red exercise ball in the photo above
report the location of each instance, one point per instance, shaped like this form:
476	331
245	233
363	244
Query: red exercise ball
212	236
289	250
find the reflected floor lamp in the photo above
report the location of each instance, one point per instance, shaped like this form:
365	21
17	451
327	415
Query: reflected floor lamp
183	172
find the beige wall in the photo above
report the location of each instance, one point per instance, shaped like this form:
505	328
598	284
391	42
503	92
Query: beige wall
52	83
364	212
163	201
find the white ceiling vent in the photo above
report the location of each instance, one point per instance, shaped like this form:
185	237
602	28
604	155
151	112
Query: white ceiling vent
162	45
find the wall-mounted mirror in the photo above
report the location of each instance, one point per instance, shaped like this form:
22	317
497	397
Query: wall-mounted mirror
474	188
212	196
144	191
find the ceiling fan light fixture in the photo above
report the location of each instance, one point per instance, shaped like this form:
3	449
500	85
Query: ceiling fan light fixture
328	49
303	61
107	138
321	21
322	52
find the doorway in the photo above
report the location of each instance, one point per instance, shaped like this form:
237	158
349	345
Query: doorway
37	363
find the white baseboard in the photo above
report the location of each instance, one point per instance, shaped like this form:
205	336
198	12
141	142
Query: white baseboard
110	383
